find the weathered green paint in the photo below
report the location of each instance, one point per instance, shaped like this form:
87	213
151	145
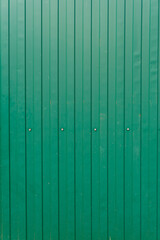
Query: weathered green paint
92	68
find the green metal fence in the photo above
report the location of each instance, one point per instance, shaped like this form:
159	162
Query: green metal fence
79	120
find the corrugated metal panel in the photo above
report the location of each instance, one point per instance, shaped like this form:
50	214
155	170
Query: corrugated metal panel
83	76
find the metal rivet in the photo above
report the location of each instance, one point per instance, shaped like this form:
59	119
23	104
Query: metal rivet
127	129
29	129
62	129
95	129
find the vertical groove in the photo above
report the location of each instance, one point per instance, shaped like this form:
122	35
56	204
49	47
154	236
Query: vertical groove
9	118
91	116
50	107
75	119
132	113
42	109
141	123
66	95
115	107
1	215
124	113
58	106
157	118
107	110
82	86
149	105
66	111
25	118
99	122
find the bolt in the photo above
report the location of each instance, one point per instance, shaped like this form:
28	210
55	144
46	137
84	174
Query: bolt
29	129
62	129
127	129
95	129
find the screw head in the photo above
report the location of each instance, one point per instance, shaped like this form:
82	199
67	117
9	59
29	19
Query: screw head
62	129
95	129
127	129
29	129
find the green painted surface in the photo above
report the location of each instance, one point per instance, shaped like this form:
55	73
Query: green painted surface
91	68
